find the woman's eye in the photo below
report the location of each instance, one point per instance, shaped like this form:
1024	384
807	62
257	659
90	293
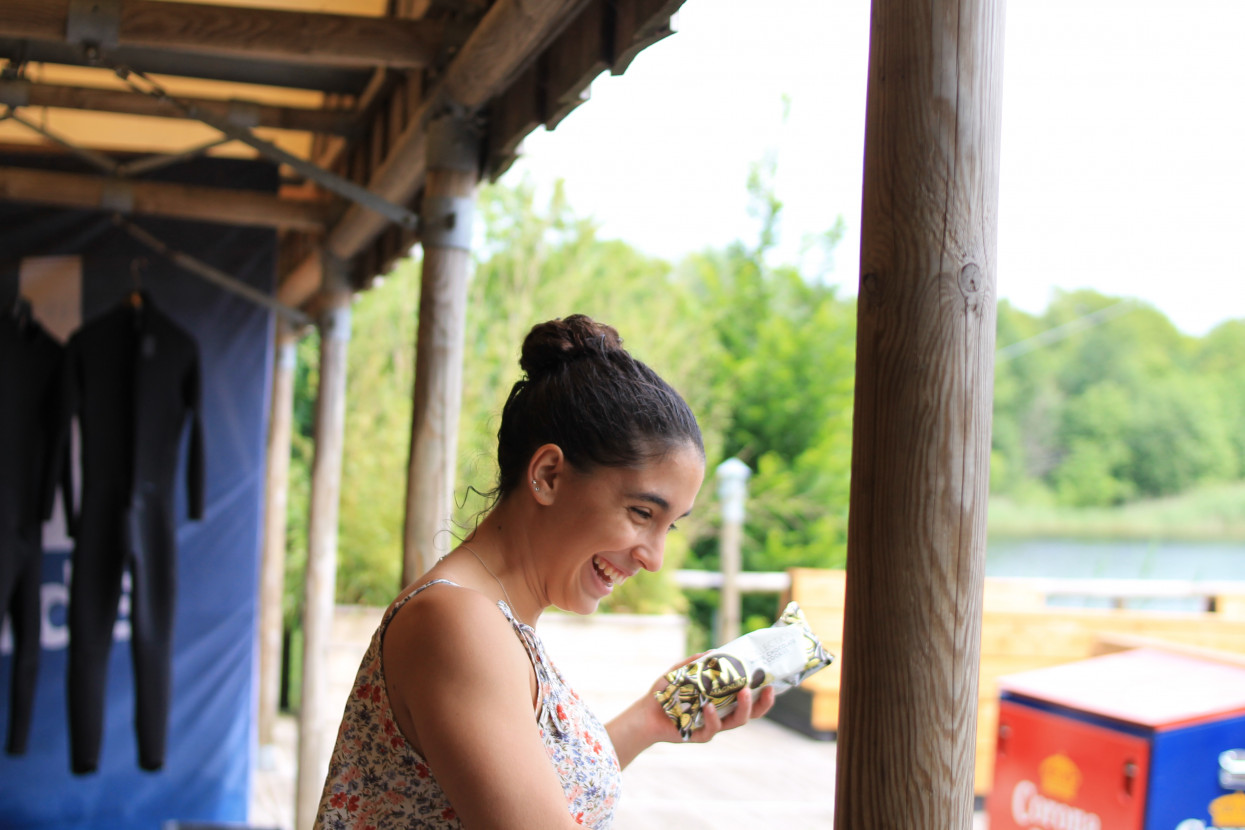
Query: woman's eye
642	513
672	527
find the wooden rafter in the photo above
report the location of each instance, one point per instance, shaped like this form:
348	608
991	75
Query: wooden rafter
492	69
208	204
332	122
325	39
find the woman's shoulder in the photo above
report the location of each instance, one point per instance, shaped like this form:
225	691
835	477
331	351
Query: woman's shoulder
443	619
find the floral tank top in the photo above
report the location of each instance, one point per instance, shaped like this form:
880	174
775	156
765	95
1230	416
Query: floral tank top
377	780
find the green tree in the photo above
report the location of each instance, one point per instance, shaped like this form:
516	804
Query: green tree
1220	358
1179	437
380	378
1094	434
541	262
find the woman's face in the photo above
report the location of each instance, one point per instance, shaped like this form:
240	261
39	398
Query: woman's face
609	523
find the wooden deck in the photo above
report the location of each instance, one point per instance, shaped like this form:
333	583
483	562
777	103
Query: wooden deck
1021	632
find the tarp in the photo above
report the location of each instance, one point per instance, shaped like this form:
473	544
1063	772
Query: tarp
211	743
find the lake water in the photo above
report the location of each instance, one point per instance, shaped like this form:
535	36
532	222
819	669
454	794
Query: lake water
1073	559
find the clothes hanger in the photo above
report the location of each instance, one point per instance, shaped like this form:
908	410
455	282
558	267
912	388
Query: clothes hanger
21	312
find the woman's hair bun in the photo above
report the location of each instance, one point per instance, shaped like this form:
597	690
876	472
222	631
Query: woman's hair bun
557	342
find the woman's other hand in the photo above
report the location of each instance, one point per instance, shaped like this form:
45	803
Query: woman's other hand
645	723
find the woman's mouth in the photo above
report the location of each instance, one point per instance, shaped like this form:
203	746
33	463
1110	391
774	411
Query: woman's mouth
609	574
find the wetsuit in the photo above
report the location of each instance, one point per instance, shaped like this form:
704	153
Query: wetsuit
132	380
30	362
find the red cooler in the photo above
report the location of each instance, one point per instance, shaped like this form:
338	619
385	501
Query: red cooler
1138	740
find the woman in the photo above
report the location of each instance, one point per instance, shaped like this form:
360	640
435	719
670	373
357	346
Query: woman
457	717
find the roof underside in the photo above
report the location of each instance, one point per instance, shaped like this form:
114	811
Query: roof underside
348	86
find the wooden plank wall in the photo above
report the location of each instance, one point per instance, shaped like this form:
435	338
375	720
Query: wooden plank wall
1019	633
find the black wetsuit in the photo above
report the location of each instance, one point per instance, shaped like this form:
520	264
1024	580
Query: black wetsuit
30	364
132	379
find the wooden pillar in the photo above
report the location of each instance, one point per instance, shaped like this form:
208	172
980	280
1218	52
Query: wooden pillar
317	714
921	433
272	572
732	475
445	235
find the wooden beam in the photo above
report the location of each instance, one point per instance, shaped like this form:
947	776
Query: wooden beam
579	55
244	113
921	421
304	37
142	198
640	24
510	36
499	47
486	65
399	177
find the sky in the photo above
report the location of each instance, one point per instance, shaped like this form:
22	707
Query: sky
1122	154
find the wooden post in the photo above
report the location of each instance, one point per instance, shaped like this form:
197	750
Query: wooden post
272	571
921	433
732	475
445	234
316	712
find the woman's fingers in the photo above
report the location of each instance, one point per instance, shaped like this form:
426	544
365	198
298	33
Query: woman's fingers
748	705
764	702
662	680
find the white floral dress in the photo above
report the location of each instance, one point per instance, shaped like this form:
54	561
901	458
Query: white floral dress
377	781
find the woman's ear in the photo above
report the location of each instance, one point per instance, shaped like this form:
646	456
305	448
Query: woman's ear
544	472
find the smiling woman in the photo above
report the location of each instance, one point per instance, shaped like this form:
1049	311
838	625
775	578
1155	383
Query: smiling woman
457	716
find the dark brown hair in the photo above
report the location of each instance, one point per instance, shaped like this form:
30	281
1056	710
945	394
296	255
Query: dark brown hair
584	392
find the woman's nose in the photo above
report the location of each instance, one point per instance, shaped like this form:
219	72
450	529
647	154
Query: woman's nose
651	553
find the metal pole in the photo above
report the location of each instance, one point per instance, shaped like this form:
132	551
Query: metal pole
732	493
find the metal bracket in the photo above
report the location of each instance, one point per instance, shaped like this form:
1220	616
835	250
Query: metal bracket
243	114
117	196
453	143
94	23
335	323
15	92
446	222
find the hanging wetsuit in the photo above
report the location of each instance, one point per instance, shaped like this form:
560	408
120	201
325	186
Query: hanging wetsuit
132	379
30	363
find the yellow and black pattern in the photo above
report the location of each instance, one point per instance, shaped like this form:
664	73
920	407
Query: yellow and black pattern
718	676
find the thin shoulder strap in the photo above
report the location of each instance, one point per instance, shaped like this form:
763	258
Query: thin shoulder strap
397	606
430	583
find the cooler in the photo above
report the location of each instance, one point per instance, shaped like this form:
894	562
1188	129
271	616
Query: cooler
1138	740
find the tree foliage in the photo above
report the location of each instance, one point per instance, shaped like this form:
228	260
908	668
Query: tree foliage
1122	407
1098	401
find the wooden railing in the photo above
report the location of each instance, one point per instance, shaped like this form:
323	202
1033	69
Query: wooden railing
1021	631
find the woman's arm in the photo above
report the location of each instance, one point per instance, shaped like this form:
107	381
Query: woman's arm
645	723
462	687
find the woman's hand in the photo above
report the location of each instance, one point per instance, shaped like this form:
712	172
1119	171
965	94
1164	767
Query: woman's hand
645	723
749	704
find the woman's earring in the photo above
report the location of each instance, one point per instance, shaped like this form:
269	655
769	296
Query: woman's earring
534	487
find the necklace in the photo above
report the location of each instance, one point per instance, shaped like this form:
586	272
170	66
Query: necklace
501	584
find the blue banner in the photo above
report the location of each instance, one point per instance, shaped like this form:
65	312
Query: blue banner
211	742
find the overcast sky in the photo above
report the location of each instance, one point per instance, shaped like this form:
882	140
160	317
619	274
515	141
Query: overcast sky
1123	136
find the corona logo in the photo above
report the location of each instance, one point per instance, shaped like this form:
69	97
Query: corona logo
1060	778
1228	811
1032	810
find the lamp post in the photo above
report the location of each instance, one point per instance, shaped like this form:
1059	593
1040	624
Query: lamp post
732	493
